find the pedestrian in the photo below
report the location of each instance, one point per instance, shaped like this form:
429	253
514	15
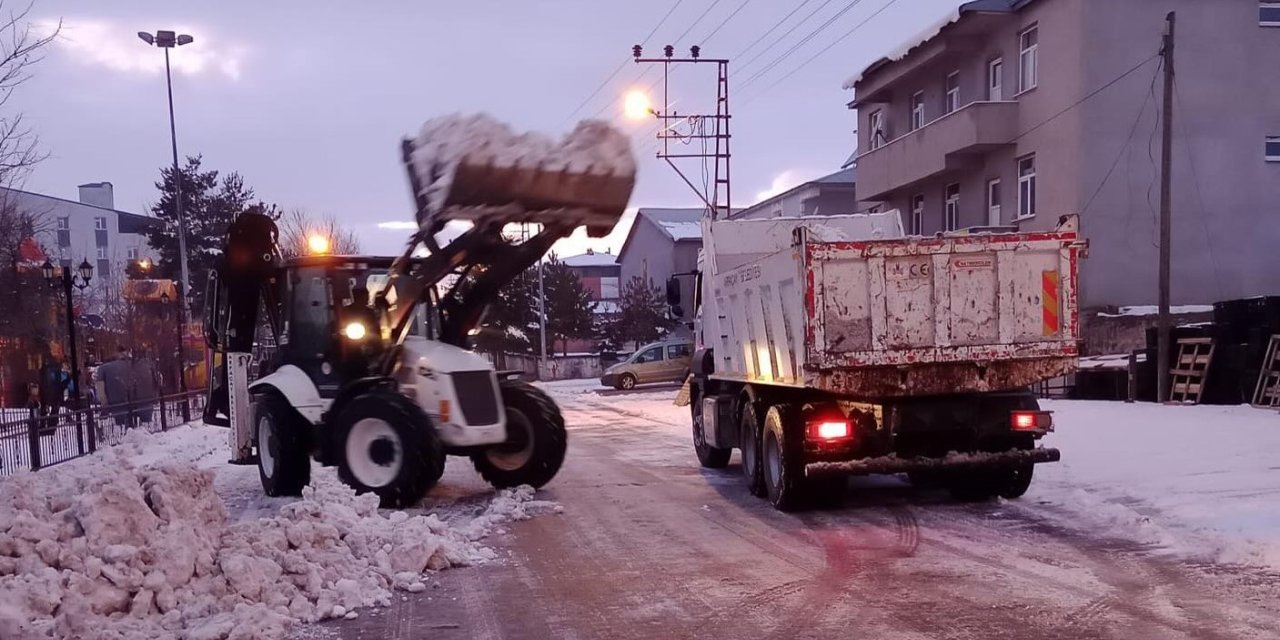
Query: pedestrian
114	377
51	392
146	387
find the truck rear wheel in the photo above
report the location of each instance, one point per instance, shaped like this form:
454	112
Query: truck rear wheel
749	440
783	459
536	440
708	456
1016	480
284	461
387	445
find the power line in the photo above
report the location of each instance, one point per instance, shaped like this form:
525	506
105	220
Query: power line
803	41
695	22
782	37
622	66
771	30
829	46
1085	98
725	21
1128	142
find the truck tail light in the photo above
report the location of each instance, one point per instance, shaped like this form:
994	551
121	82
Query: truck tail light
1031	421
829	430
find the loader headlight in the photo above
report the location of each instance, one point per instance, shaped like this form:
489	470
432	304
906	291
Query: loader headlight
354	331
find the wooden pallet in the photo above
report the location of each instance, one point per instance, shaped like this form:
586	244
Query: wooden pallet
1191	370
1267	392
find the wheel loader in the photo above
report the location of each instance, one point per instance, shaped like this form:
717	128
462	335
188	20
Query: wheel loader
363	363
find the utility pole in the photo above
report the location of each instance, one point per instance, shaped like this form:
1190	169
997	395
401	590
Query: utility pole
1166	227
542	324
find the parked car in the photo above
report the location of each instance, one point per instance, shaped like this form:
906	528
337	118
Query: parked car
657	362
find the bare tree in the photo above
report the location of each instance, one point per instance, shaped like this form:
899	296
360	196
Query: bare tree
297	227
20	49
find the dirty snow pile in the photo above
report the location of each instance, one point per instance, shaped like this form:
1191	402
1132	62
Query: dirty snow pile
592	147
108	549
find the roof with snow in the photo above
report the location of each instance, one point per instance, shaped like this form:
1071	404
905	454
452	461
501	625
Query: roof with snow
679	224
591	259
974	6
845	178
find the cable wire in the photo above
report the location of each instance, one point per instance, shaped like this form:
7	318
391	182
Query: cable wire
746	65
803	41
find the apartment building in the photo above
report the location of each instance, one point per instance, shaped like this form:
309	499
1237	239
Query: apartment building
832	194
1015	112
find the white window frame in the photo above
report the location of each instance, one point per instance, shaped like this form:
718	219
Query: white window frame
917	110
64	223
102	253
916	222
951	207
995	80
1027	188
951	99
131	253
994	201
1266	149
1028	59
1264	5
100	223
875	122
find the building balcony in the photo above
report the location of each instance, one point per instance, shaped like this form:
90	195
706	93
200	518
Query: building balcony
949	143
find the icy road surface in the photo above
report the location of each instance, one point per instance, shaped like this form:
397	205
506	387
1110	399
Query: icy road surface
1165	531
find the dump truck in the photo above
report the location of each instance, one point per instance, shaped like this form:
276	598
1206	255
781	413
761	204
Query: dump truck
836	345
371	369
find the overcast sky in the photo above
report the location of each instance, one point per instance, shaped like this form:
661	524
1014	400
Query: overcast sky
309	99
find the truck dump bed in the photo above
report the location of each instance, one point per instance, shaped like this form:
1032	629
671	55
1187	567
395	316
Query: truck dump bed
848	305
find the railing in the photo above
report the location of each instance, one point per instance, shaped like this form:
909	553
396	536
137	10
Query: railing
31	439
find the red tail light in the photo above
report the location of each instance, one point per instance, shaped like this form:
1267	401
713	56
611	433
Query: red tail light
1031	421
833	430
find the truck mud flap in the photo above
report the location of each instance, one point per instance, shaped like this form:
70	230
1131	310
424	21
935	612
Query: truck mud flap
951	462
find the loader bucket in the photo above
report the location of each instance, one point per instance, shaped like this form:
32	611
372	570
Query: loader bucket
547	195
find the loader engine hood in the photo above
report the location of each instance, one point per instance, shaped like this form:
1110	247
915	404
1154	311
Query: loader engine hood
457	388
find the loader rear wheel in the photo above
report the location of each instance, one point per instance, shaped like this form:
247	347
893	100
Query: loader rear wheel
284	462
387	445
536	440
783	458
708	456
749	440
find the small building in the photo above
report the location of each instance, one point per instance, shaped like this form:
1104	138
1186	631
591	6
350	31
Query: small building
663	242
833	194
91	228
599	274
1016	112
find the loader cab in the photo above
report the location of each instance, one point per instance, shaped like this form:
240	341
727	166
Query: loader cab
328	327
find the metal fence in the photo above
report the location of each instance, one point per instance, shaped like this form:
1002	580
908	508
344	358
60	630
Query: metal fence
32	439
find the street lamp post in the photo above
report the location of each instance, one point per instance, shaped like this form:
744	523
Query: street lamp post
167	40
79	281
182	378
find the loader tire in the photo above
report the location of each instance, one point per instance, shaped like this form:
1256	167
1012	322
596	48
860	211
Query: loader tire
536	440
782	455
284	460
386	444
749	440
708	456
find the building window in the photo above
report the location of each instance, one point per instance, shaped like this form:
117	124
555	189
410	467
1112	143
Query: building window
100	223
915	225
102	253
917	110
1273	149
1269	13
104	269
131	254
993	203
995	80
64	232
951	208
1028	58
1027	187
875	209
951	101
876	123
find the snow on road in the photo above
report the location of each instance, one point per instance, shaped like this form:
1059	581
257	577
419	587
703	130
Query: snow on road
160	538
1197	481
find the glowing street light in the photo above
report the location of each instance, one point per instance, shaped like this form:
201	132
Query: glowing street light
636	105
318	244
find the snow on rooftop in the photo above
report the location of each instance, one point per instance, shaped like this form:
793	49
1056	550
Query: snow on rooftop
591	259
682	230
905	48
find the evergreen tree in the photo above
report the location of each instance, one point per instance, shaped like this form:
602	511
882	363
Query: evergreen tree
570	308
511	323
643	313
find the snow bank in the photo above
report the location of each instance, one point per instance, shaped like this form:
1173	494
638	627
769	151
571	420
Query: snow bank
1151	310
108	549
443	143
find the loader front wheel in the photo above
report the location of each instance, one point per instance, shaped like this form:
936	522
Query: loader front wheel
536	440
284	462
387	445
